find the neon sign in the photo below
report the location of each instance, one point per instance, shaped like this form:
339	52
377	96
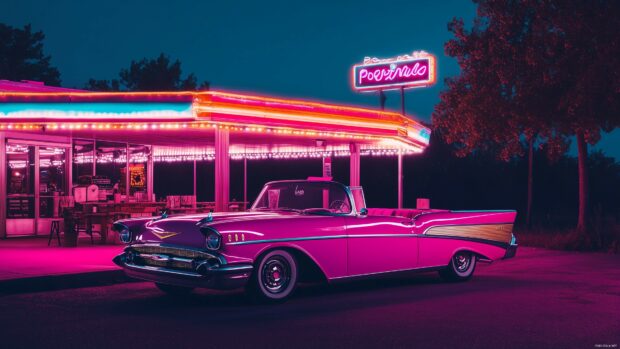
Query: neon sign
406	71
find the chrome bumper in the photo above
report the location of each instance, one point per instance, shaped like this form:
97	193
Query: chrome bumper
205	275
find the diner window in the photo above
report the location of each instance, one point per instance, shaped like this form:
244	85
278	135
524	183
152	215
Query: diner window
83	157
52	178
138	157
110	167
20	180
173	178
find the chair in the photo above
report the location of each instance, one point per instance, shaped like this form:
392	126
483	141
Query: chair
54	229
63	203
88	228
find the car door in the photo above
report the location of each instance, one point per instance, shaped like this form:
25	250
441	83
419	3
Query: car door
377	244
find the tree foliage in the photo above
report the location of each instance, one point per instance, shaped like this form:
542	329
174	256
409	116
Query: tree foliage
158	74
500	98
534	68
22	56
102	85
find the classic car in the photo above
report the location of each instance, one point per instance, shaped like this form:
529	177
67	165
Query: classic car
314	229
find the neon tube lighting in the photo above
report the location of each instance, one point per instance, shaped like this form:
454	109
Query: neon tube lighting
172	111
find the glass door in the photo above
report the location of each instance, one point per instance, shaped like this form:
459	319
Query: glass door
52	181
37	178
20	206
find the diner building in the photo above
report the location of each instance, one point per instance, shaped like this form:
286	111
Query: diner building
96	151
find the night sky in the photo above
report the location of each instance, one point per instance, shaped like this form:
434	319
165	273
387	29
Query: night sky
280	48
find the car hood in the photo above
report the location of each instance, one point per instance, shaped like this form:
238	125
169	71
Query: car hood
185	230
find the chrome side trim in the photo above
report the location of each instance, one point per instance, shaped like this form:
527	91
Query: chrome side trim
480	241
464	225
388	272
233	268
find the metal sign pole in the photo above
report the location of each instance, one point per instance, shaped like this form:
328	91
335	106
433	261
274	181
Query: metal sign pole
402	100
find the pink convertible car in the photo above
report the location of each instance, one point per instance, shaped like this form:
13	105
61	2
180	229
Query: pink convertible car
306	230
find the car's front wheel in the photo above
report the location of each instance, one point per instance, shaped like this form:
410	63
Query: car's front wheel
275	277
460	268
174	290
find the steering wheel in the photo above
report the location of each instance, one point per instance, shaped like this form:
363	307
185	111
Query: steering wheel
339	206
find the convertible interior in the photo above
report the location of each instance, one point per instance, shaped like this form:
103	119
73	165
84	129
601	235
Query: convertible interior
403	212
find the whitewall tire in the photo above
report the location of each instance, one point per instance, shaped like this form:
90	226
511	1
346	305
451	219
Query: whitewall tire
275	276
460	268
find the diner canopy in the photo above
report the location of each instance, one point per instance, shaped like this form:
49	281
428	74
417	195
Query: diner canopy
211	125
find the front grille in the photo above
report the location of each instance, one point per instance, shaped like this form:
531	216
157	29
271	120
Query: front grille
164	256
172	264
172	251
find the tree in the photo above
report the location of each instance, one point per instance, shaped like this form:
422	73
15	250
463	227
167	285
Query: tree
584	69
540	66
102	85
159	74
22	57
494	104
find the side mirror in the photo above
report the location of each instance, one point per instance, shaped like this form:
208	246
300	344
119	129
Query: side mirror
364	211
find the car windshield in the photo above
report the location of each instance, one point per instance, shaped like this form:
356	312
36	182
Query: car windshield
303	196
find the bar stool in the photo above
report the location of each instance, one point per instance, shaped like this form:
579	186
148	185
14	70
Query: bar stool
54	229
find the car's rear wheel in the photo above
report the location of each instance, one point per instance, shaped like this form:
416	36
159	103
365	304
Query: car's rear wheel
460	268
275	276
174	290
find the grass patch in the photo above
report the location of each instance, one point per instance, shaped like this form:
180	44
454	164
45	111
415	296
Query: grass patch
605	240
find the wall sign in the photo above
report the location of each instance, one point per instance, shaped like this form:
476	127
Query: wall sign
406	71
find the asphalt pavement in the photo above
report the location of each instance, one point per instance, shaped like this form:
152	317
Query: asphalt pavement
540	299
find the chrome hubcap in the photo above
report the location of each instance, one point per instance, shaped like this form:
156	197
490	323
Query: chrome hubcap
461	262
276	274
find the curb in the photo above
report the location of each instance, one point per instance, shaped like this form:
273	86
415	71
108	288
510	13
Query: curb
61	282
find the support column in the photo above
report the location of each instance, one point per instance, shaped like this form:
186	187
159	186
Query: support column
37	190
3	174
195	191
354	163
94	157
150	174
127	174
69	168
245	182
222	169
400	179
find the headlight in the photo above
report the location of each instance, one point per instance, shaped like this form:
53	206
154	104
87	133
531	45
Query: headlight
124	234
213	241
213	238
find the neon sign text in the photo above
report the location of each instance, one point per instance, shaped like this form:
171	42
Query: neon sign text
404	71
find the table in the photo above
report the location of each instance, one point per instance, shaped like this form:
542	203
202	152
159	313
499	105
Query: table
104	219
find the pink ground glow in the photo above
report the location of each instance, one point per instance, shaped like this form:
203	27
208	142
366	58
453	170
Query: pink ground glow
31	257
